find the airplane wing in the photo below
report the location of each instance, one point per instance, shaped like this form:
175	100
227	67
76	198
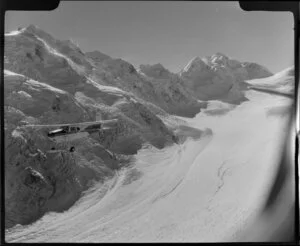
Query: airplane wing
79	124
69	132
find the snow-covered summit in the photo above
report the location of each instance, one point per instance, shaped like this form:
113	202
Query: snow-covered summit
217	76
219	61
219	58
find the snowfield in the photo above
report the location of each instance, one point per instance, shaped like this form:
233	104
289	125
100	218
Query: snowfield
204	190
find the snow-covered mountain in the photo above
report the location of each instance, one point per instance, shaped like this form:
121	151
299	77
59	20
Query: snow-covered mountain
48	81
220	77
169	96
38	55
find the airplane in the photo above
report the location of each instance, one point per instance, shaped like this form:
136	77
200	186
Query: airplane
73	131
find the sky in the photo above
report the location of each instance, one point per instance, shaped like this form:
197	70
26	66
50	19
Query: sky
168	32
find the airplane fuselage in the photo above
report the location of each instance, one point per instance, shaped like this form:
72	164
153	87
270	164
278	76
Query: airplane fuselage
70	137
69	132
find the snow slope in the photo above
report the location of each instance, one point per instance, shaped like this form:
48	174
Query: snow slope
281	82
207	189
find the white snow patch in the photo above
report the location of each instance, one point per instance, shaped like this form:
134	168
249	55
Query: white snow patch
10	73
139	71
15	32
106	88
44	85
33	82
24	94
133	100
16	134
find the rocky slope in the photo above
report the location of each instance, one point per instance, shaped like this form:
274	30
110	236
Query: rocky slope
39	56
48	81
44	87
163	90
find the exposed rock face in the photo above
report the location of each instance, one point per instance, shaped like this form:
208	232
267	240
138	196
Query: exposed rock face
156	71
153	84
38	180
169	91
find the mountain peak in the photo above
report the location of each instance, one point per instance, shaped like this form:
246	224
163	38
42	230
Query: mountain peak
196	61
156	70
219	58
154	66
34	29
97	56
31	29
